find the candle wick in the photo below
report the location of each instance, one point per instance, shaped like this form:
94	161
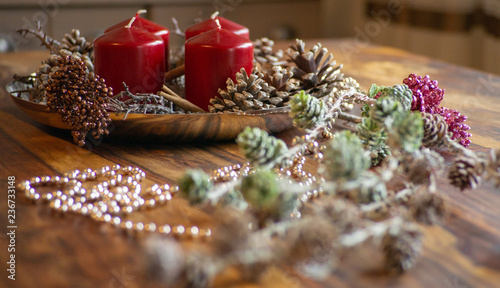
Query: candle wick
218	24
139	12
216	13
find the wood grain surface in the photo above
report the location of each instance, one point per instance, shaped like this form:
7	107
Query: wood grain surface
72	251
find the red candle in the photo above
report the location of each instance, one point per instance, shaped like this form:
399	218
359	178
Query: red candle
211	58
151	27
210	24
131	55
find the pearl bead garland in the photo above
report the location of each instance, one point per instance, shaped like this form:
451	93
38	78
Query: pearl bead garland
117	196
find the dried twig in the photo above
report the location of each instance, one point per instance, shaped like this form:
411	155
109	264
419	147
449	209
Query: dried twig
52	44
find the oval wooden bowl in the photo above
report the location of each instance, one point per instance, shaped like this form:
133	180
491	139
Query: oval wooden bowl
166	127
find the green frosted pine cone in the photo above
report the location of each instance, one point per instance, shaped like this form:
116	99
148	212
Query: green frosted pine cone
260	148
344	157
374	138
306	110
195	185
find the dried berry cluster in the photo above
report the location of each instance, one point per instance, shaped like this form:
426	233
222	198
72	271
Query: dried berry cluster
80	97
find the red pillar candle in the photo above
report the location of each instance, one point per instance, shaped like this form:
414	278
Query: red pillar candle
210	24
131	55
151	27
211	58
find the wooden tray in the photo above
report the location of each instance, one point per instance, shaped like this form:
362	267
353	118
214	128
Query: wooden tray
166	127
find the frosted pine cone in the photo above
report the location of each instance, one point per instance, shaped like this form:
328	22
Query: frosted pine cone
402	248
464	173
260	148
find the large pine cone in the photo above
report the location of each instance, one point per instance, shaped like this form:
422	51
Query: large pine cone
264	53
250	92
315	69
465	173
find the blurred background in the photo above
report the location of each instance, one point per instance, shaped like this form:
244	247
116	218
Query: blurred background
465	32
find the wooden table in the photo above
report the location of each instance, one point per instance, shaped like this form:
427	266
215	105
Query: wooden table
72	251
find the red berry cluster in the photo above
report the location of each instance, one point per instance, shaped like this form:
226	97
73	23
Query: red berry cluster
427	97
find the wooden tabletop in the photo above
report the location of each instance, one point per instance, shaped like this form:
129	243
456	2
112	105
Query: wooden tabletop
72	251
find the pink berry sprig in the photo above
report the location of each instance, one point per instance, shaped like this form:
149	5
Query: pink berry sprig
427	97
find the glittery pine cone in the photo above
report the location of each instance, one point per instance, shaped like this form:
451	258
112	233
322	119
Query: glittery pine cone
249	92
465	173
80	97
456	125
426	94
315	69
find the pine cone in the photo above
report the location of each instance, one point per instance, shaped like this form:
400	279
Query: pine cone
374	138
420	166
80	97
264	53
315	69
435	130
464	173
384	111
428	208
72	45
195	185
250	92
371	188
344	157
306	110
281	85
261	148
76	43
402	248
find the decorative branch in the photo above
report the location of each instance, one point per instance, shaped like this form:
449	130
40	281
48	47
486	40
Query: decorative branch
48	42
